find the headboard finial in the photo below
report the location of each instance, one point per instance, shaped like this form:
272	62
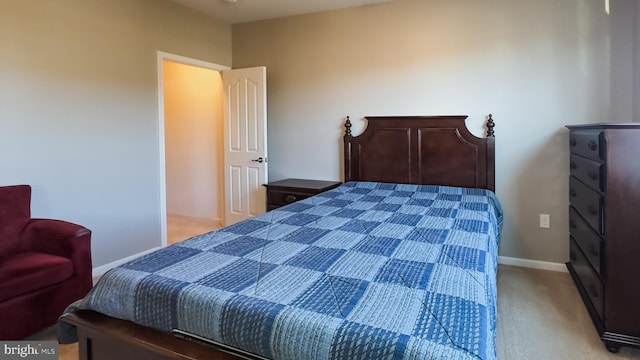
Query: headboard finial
347	127
490	126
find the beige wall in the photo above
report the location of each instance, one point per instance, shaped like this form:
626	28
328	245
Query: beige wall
79	109
536	65
193	118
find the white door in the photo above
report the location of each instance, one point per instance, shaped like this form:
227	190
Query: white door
245	142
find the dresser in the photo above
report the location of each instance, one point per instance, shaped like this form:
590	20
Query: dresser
283	192
604	227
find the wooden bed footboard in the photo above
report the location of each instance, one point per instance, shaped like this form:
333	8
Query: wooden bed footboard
101	337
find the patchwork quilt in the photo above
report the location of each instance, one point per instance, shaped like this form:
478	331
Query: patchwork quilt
363	271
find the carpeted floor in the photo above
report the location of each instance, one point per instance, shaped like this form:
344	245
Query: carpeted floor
540	316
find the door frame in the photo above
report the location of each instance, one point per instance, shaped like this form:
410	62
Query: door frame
162	56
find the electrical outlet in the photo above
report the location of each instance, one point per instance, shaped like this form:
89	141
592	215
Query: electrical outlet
545	221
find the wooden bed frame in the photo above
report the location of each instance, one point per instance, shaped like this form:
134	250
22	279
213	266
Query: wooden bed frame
437	150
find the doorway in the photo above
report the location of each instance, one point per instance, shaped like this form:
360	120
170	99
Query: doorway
191	126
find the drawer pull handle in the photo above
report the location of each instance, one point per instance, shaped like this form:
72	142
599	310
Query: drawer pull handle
593	146
593	175
573	224
573	192
290	198
593	291
573	165
592	210
573	142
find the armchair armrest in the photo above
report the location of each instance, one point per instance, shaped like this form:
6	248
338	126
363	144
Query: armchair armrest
60	238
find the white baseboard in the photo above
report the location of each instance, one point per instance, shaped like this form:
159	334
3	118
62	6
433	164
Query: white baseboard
534	264
100	270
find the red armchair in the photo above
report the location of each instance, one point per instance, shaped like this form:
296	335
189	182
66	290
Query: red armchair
45	265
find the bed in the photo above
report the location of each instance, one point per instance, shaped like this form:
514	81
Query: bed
399	262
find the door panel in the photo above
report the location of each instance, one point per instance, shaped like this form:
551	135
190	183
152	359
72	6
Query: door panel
253	179
235	192
245	142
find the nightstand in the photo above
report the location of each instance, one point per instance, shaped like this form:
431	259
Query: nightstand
283	192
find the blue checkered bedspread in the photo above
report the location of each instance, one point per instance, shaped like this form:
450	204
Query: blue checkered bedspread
363	271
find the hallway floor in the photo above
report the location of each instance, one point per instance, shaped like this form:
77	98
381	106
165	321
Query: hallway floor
181	227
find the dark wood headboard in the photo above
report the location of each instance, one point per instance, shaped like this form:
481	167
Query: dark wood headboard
436	150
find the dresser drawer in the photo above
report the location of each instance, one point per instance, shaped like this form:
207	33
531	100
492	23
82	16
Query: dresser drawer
589	241
287	191
587	143
589	171
279	198
590	282
588	203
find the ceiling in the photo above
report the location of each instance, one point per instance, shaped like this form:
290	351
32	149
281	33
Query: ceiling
239	11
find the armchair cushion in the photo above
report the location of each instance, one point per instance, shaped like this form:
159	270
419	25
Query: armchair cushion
28	271
15	212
